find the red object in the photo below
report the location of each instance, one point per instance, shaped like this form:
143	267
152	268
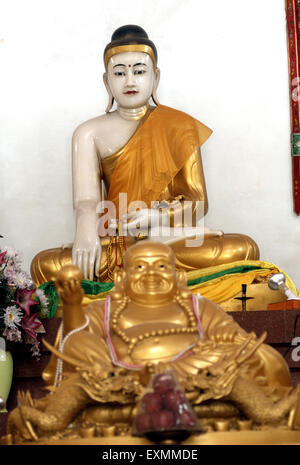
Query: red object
163	420
165	408
2	257
293	40
152	402
286	305
163	383
186	418
143	422
173	399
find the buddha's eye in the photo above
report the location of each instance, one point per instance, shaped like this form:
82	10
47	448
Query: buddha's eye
139	267
161	266
119	73
139	71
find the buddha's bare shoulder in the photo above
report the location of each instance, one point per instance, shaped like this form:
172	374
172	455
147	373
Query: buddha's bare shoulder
94	127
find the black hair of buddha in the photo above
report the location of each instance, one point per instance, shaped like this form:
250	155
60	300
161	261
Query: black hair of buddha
130	35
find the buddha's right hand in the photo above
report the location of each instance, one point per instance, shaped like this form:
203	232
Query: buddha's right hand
86	254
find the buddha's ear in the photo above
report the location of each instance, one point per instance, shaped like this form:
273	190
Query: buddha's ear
110	95
119	276
182	287
181	277
155	85
119	280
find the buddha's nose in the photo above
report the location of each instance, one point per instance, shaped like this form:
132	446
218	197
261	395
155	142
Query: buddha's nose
152	271
130	78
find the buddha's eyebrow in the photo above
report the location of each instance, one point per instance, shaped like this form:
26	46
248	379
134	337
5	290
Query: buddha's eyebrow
120	64
139	64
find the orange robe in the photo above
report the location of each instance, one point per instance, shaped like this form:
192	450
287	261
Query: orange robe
155	154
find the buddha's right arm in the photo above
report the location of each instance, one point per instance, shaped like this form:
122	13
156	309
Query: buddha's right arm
86	252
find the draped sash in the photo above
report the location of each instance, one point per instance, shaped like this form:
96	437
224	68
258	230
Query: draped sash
155	154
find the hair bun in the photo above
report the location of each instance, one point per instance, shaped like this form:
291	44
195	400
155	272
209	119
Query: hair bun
128	32
130	35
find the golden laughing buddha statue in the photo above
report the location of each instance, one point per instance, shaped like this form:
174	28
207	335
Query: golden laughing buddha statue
150	154
149	324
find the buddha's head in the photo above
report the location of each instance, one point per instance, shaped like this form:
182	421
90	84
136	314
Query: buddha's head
149	277
131	76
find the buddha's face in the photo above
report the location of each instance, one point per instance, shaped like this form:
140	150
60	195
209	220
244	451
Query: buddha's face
150	275
131	78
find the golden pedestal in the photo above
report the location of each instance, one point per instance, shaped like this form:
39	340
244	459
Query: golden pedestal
274	436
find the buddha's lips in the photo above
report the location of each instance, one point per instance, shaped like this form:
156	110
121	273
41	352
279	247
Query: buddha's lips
131	92
151	283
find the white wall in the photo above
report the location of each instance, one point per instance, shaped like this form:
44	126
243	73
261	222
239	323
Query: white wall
224	62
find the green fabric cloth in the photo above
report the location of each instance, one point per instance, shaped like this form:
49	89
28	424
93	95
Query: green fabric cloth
89	287
95	288
52	296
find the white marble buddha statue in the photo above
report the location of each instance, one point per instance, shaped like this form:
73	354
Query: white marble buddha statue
150	153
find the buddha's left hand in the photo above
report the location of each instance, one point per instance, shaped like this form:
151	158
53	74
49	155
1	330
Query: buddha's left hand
143	220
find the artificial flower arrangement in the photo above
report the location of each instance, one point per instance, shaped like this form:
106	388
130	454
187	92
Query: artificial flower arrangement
21	304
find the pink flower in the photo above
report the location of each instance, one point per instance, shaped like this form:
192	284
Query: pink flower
13	257
2	259
30	325
35	350
23	280
12	334
24	299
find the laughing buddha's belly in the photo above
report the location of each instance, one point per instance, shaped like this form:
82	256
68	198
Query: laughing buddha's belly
153	344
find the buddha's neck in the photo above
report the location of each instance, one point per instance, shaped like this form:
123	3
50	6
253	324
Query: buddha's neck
132	113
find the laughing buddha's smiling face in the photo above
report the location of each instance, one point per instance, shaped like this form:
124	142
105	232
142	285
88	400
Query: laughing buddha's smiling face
131	78
150	274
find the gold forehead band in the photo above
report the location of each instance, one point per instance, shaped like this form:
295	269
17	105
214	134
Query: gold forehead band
129	48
